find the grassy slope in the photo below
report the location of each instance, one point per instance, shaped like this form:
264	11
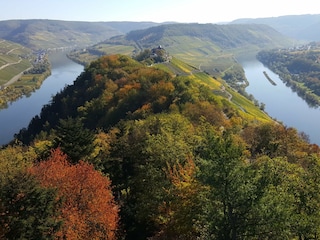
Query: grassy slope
212	48
204	54
246	107
14	60
84	56
43	34
12	53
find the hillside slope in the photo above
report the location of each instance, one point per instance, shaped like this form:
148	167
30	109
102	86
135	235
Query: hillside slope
54	34
42	33
14	58
209	47
223	36
301	27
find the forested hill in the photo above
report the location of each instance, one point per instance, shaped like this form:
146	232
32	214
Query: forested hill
134	152
224	36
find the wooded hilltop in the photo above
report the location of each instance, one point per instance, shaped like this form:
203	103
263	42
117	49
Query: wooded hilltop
136	152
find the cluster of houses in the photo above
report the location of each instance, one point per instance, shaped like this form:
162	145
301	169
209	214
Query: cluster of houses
40	57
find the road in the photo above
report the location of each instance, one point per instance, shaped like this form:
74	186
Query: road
11	50
8	64
223	89
15	78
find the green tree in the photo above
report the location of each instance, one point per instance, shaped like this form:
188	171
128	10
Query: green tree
74	139
275	211
27	210
268	198
308	200
232	186
139	157
182	213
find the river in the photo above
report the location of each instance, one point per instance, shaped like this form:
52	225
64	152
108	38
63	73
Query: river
281	102
19	113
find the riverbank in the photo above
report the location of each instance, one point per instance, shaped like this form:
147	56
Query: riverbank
19	113
24	83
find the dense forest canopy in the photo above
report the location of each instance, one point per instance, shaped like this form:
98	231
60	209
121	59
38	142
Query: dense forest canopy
135	152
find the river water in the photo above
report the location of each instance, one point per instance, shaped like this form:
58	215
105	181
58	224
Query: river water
281	102
19	113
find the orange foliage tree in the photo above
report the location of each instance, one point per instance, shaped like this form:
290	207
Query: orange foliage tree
88	209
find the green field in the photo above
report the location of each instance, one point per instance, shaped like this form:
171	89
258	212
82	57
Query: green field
9	72
87	55
14	59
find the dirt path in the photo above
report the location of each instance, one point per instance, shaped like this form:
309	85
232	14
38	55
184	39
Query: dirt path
11	50
223	89
8	64
15	78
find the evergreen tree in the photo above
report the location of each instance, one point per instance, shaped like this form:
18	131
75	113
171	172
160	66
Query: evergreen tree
27	210
74	139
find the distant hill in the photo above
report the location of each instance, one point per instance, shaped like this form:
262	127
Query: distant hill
300	27
125	26
37	34
53	34
209	47
223	36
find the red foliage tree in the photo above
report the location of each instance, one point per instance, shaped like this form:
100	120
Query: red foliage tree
88	209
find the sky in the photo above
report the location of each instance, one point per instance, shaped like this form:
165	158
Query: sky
186	11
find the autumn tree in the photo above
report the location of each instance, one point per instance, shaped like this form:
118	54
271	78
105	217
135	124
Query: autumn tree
275	140
88	208
14	159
